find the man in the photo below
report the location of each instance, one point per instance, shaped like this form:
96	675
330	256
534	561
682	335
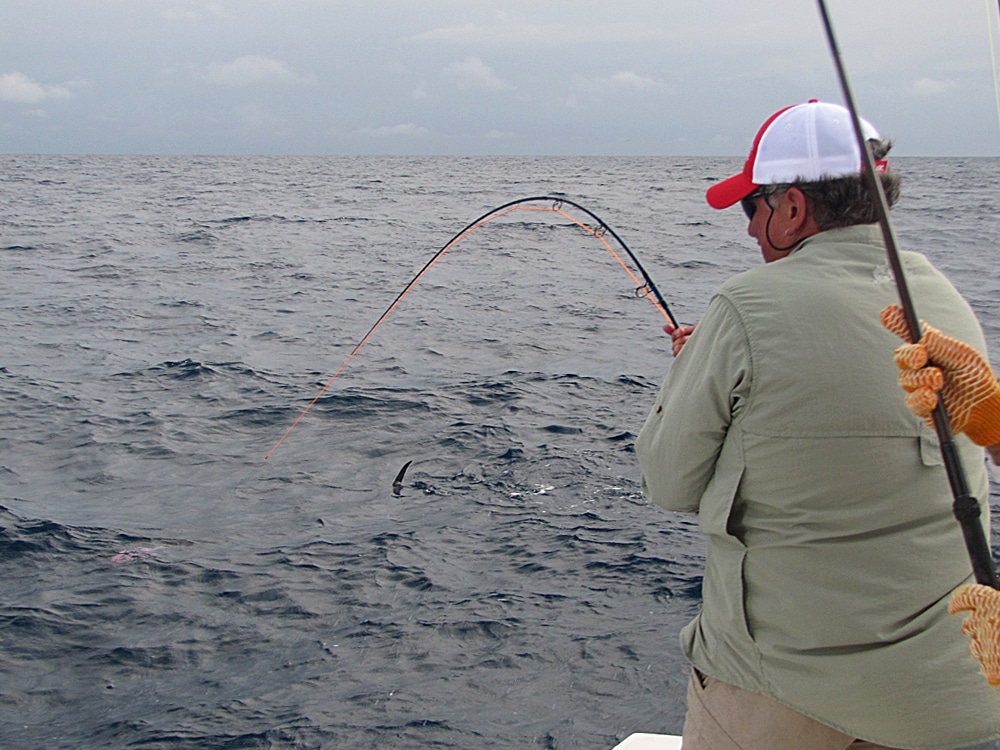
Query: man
832	550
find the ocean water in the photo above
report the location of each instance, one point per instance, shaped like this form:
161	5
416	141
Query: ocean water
165	321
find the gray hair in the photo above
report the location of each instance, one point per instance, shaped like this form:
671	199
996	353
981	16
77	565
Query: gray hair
846	201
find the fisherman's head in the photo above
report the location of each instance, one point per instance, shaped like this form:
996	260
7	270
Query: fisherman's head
804	173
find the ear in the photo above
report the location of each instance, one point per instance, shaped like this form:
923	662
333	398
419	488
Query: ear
797	210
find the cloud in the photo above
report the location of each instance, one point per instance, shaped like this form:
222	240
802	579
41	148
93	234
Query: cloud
177	14
406	130
625	81
629	80
253	70
473	73
505	31
448	34
192	14
931	87
17	87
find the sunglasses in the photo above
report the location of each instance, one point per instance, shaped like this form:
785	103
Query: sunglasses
749	203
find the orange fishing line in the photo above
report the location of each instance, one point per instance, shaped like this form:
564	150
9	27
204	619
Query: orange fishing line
639	285
492	216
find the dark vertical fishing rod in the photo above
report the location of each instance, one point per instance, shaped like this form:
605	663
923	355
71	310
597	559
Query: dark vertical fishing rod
965	506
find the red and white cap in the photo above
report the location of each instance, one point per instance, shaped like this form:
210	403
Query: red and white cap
805	142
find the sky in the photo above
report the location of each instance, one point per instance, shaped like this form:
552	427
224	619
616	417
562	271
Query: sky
464	77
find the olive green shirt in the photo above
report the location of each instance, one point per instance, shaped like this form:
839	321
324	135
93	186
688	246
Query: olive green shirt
832	550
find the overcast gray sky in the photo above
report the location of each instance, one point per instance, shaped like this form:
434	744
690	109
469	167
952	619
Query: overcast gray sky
580	77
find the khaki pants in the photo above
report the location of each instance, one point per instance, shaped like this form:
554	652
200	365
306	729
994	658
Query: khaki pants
721	716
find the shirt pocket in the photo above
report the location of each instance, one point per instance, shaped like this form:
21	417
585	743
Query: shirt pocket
930	447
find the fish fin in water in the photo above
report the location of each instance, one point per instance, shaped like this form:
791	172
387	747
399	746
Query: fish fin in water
397	483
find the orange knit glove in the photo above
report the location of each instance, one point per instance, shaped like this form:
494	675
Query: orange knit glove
963	377
982	625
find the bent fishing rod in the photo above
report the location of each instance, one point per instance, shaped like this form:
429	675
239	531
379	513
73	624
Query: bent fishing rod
645	287
648	287
965	506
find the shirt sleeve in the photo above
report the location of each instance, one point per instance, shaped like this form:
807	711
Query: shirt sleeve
703	393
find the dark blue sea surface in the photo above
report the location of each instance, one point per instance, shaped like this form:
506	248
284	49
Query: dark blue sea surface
166	319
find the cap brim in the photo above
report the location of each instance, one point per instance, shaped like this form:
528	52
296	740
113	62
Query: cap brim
731	191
